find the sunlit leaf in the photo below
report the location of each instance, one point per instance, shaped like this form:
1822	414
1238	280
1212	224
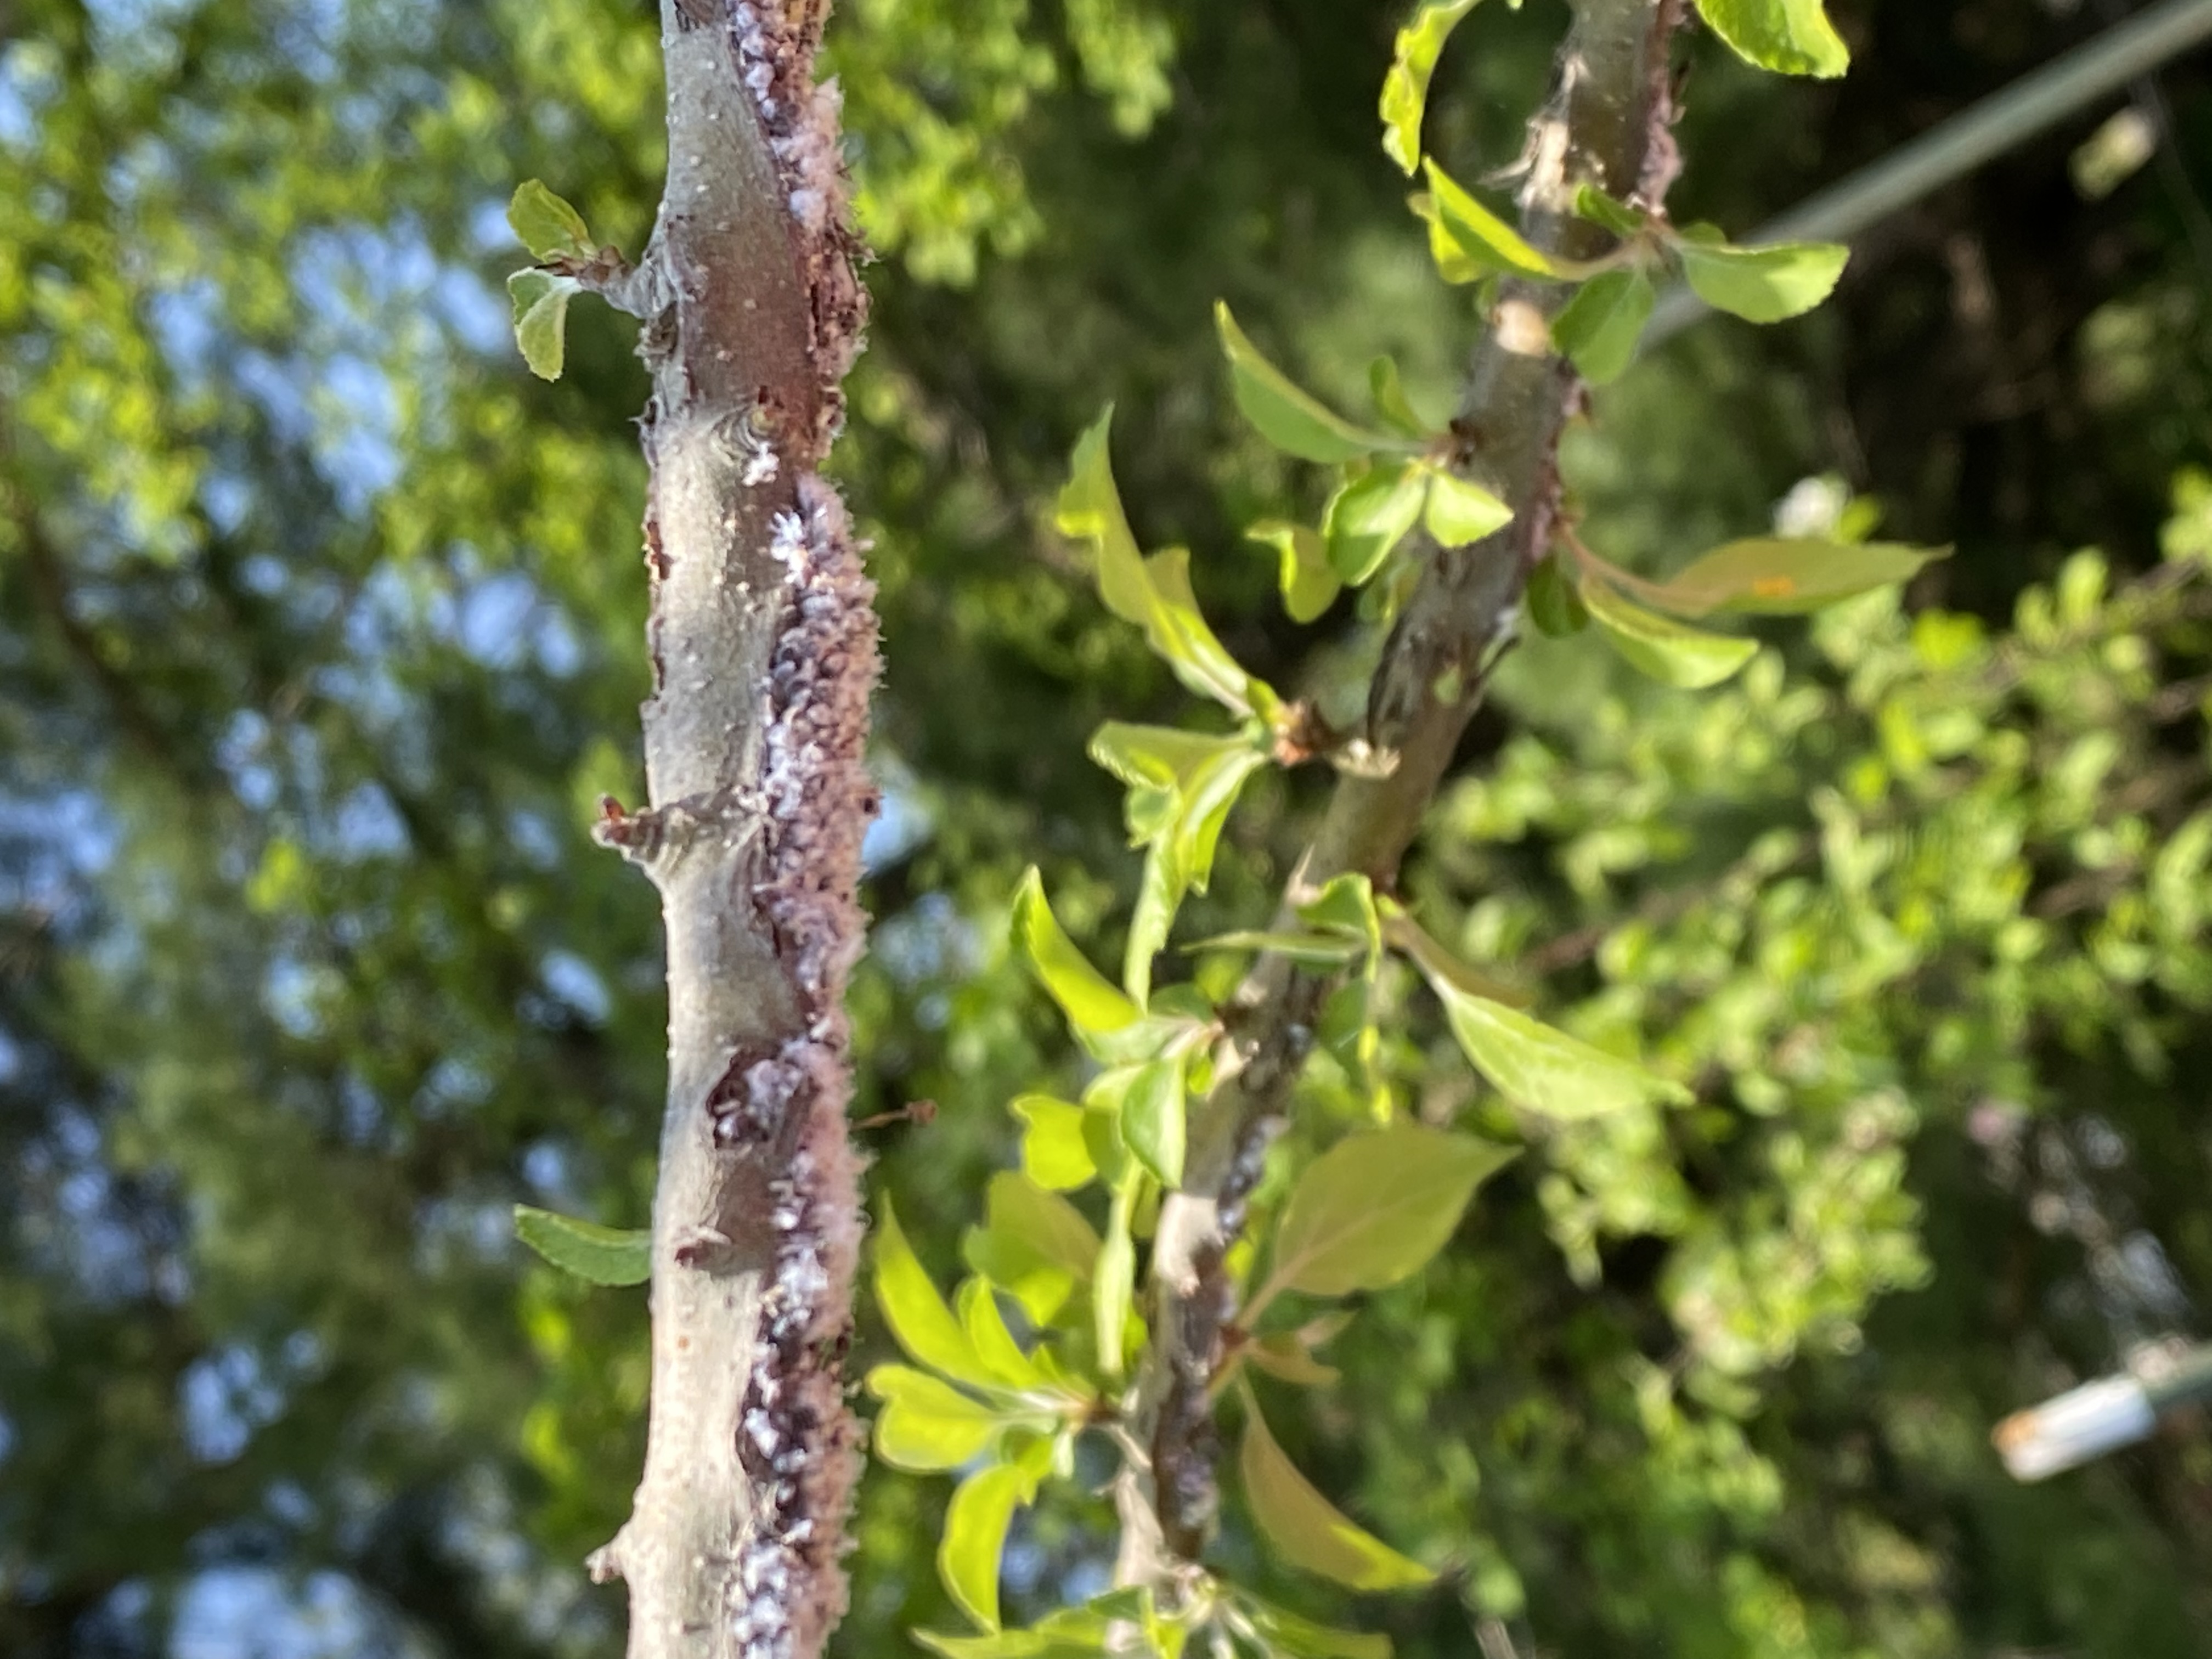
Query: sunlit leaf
1405	88
597	1254
1764	283
1543	1069
975	1523
1153	592
1003	1361
1308	1531
1371	514
1284	1357
1113	1285
547	225
1659	646
1460	513
1791	37
1287	416
1391	402
1613	214
1072	1634
1033	1244
926	1424
1151	1105
541	318
1288	1634
1053	1153
1778	575
1085	995
1599	328
1374	1208
1307	584
1315	950
1482	236
916	1314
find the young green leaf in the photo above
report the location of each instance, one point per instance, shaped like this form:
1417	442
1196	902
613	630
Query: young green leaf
1660	646
928	1424
1347	905
1285	1357
1608	212
914	1311
1053	1153
546	225
1777	576
975	1524
1600	327
1309	585
1791	37
1371	514
1314	950
597	1254
1002	1359
1112	1284
1764	283
1371	1210
1291	419
1405	88
1482	236
1542	1069
541	318
1392	403
1554	605
1286	1633
1085	995
1153	592
1407	935
1308	1531
1152	1108
1454	263
1071	1634
1460	513
1033	1244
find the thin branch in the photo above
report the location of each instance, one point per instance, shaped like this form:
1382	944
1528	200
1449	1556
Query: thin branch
1608	124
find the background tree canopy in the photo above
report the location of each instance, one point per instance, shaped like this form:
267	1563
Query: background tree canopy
319	628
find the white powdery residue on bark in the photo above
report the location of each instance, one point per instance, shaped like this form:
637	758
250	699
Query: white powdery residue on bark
800	1440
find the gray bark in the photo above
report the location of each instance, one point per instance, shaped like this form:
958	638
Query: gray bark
762	640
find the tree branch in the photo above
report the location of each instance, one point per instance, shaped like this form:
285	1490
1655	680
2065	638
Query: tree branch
764	647
1608	123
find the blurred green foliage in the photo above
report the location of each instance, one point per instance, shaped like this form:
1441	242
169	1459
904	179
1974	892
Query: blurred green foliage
319	640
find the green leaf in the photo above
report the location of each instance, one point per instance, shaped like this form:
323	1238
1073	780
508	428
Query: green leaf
1308	1531
1053	1152
1791	37
1152	1108
1371	1210
597	1254
1480	234
1460	512
1181	789
1777	576
1392	403
914	1311
1405	88
1554	605
1301	1638
1072	1633
1761	285
1660	646
541	318
1085	995
1309	585
1543	1069
1346	904
1453	262
1287	418
1433	960
1112	1284
1371	514
1002	1359
926	1424
548	225
1314	949
1155	593
1600	327
975	1523
1609	212
1033	1244
1285	1357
